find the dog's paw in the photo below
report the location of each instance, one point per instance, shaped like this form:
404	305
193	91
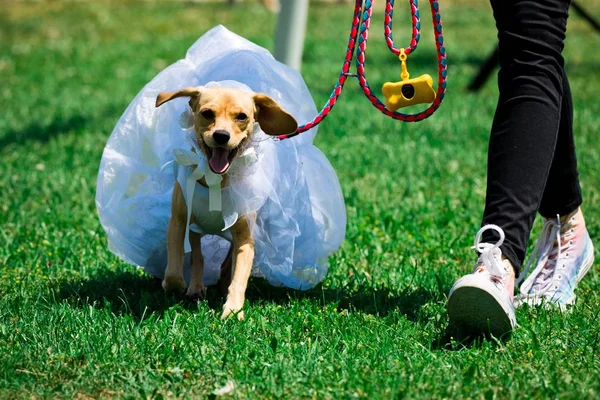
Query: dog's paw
173	284
196	293
229	310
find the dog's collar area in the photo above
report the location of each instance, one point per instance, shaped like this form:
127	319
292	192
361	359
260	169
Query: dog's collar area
187	158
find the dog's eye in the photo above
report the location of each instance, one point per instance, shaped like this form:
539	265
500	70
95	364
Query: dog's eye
241	117
208	114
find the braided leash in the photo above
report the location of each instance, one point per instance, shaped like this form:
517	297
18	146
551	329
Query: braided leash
416	25
361	36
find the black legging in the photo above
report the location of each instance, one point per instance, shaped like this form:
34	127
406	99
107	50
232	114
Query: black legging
531	158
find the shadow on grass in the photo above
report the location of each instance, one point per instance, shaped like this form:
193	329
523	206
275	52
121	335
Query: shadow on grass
123	293
374	301
455	338
61	124
136	295
43	133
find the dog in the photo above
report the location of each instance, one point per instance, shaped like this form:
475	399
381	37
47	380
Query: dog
224	120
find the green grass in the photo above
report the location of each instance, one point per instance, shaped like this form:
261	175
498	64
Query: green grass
76	322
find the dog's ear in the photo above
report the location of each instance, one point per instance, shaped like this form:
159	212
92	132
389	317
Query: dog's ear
163	97
273	119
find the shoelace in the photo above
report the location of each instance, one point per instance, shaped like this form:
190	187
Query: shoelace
542	253
488	251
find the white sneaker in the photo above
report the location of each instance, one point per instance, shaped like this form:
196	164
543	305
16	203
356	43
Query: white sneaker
482	302
563	255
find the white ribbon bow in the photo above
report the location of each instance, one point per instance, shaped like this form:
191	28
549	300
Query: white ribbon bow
187	158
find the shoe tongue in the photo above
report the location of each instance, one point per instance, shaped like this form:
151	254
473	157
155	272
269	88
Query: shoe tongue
490	259
219	161
544	278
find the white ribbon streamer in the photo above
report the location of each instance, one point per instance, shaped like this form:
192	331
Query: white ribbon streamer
189	158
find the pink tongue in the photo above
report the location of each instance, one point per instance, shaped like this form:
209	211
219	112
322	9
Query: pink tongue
218	161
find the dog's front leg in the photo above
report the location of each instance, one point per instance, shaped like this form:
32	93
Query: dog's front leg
173	281
243	257
226	275
196	290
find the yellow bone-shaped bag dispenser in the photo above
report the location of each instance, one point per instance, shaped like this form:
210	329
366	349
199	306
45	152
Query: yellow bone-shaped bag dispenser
408	92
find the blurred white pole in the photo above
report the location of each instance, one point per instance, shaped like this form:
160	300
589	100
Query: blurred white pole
289	36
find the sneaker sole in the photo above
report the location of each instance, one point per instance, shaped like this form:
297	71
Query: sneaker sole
473	308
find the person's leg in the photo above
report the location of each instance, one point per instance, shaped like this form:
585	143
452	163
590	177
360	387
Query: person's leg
562	194
523	139
526	124
564	251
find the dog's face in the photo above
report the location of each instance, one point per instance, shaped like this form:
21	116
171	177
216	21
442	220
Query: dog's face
224	120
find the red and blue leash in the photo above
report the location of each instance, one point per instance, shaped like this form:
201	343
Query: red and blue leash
359	33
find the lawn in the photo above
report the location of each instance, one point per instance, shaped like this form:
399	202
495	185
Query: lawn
75	321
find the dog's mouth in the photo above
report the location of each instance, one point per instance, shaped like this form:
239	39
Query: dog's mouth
220	158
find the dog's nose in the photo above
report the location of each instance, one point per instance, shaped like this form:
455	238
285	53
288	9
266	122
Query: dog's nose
221	137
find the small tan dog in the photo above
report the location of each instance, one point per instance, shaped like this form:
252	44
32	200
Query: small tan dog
223	123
